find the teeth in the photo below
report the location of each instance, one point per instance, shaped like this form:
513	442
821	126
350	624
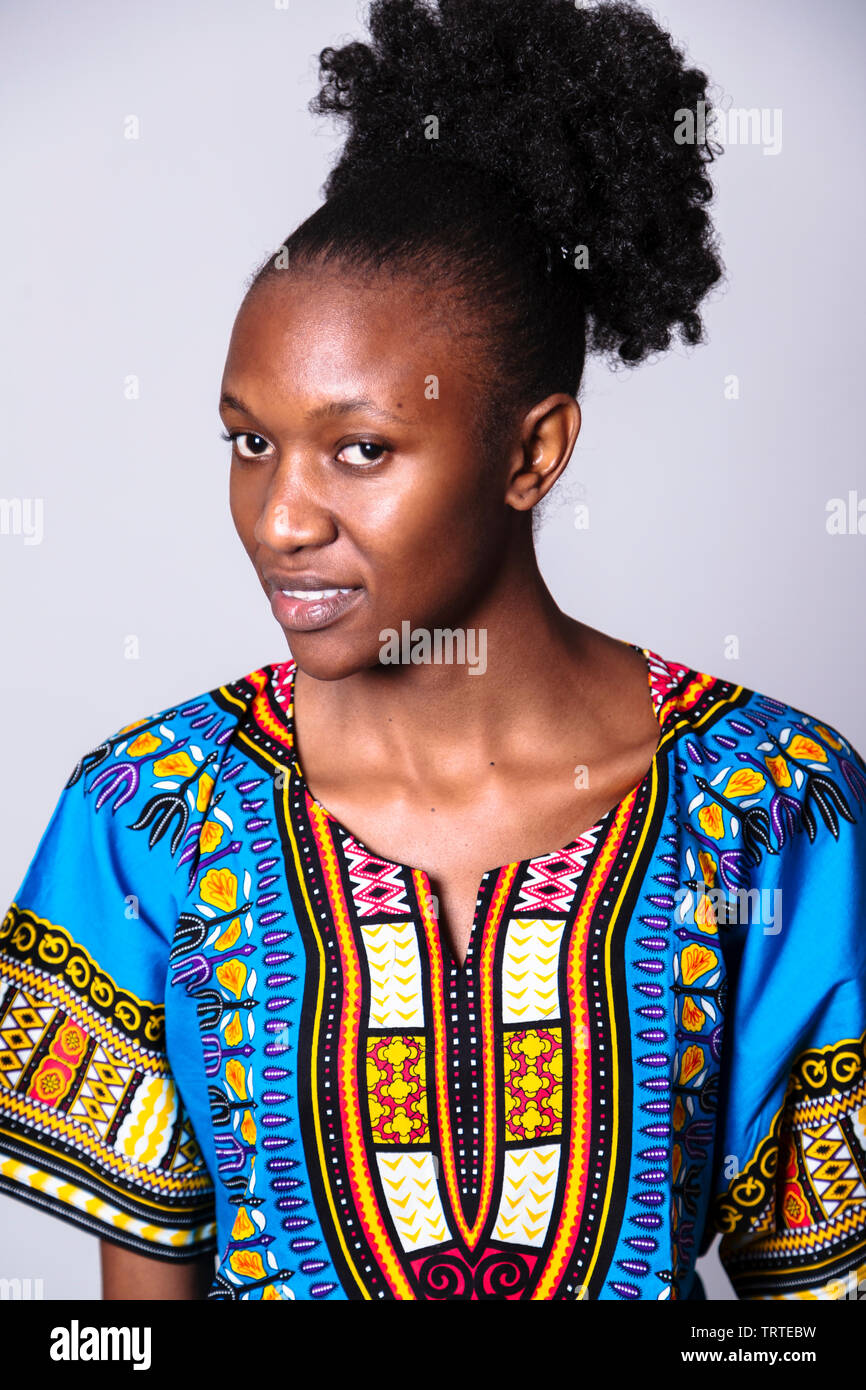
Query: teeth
310	594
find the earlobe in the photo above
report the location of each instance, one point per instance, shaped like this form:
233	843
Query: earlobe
530	484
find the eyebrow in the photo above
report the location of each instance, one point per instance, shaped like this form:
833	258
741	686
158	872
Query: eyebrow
329	410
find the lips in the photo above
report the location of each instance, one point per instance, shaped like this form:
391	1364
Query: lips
305	609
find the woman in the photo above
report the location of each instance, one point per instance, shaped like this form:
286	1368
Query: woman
265	996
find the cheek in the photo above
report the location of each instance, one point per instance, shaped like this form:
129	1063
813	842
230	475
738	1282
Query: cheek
244	505
423	548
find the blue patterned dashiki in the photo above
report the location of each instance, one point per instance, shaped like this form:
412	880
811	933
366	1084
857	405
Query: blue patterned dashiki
229	1027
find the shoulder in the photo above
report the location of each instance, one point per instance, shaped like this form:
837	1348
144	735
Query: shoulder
760	782
129	828
724	719
765	853
185	738
140	797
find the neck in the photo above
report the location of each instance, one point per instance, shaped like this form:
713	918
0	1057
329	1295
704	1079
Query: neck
536	661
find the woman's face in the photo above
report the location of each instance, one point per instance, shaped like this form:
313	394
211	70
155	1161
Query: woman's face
353	466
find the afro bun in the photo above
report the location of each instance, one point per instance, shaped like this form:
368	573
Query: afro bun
575	109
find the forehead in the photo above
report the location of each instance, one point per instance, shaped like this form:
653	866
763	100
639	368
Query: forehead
312	333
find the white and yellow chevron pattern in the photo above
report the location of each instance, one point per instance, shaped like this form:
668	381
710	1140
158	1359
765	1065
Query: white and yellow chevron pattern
528	1189
412	1193
396	1000
529	969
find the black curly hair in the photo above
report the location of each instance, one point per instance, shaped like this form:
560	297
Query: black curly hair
520	155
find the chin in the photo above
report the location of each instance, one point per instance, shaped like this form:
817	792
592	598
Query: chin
327	656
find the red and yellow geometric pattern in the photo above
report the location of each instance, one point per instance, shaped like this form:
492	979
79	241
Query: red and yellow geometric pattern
397	1089
533	1083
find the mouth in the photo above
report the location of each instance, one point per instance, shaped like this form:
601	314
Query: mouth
307	610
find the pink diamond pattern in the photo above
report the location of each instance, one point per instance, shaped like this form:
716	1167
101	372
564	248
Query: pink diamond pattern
378	887
550	881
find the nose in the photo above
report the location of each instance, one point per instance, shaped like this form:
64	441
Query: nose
294	512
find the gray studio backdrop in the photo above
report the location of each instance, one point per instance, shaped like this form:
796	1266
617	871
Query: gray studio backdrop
707	474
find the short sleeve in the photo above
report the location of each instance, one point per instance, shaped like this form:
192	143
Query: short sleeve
790	1165
92	1124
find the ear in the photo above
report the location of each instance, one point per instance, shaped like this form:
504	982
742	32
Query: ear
547	439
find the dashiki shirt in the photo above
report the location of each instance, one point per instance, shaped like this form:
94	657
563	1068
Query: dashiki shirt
228	1027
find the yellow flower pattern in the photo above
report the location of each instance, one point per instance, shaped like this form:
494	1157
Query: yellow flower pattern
712	821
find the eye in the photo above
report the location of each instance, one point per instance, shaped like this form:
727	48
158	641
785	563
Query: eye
365	461
253	448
